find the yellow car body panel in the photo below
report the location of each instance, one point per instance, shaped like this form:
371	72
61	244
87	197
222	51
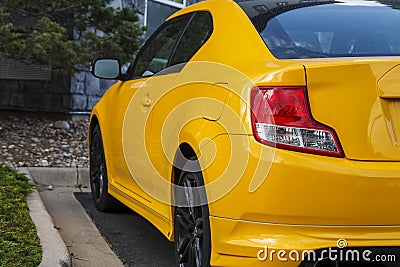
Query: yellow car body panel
260	195
239	242
371	134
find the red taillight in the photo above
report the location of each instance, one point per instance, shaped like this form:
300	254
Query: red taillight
281	117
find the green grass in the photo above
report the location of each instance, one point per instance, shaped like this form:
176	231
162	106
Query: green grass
19	244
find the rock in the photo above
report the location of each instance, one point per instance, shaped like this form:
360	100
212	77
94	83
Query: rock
37	142
50	187
62	125
35	139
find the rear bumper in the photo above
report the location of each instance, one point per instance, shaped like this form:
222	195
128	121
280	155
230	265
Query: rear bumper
244	243
285	187
304	202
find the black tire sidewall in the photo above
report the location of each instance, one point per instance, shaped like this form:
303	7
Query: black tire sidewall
206	253
105	202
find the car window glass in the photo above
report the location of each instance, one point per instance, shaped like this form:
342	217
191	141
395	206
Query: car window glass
326	29
196	34
156	53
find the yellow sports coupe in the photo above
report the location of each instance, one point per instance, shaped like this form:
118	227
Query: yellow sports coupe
259	133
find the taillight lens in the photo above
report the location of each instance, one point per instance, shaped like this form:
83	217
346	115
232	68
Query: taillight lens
281	117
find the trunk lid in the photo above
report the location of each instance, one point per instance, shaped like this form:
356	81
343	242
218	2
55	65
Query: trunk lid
360	99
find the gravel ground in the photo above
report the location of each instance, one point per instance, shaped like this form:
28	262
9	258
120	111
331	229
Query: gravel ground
30	141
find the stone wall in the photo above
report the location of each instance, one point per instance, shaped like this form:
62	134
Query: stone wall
86	91
60	94
30	95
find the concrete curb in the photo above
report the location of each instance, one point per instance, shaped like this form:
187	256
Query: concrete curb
65	177
78	237
55	252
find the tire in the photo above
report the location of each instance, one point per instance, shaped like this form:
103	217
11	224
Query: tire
103	201
192	236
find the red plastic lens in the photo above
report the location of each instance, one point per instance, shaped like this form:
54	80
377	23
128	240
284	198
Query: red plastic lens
281	117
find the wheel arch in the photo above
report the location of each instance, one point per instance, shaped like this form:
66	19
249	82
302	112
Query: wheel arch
191	146
94	121
184	152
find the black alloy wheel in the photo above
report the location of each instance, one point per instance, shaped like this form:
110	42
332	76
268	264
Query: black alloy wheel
98	175
192	228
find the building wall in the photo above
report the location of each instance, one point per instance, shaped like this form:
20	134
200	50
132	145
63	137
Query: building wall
37	95
87	90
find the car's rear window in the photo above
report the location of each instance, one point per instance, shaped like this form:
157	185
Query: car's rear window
320	29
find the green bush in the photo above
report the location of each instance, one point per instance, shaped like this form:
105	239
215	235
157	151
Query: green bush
19	244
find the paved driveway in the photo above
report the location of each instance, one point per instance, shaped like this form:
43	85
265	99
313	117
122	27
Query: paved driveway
136	242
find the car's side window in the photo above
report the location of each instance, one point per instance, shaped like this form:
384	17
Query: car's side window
155	55
196	34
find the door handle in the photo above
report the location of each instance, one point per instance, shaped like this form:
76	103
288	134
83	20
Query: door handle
146	101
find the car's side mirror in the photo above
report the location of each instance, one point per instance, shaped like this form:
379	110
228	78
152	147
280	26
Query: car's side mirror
106	68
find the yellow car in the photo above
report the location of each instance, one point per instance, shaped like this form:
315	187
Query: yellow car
259	133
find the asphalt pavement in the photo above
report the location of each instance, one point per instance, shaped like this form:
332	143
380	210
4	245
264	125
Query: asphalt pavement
136	242
91	238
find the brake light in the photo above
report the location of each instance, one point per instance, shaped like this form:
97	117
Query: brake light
281	117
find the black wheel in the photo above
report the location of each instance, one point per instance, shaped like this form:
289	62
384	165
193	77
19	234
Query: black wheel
98	175
192	238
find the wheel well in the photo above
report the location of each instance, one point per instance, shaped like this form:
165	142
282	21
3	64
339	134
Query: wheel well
93	122
185	152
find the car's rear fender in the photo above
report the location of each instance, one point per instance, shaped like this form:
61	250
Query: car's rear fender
359	99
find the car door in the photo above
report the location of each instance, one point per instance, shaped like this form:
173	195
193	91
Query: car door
184	99
137	98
